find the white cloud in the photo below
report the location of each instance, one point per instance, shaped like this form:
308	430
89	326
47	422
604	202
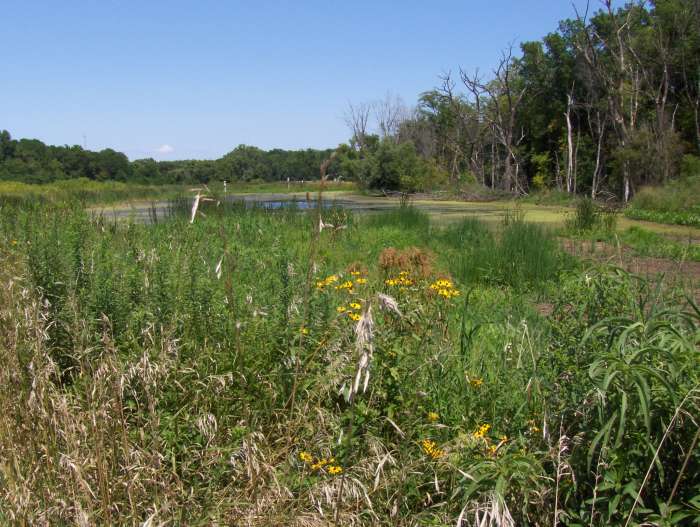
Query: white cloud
165	149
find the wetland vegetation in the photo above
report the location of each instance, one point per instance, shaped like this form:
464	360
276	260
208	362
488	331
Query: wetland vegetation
482	310
249	367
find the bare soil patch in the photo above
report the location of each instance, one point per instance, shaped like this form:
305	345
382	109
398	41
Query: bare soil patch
683	273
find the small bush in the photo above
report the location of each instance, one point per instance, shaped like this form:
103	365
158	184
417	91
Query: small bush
589	216
677	202
586	217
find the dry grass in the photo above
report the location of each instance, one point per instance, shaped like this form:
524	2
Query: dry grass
418	262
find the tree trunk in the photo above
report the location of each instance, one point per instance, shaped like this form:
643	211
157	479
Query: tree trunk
598	158
569	148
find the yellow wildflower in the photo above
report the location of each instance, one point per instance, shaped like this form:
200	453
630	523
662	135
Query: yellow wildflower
345	285
433	416
355	306
319	464
341	309
355	273
481	431
476	382
334	470
361	281
354	316
321	284
304	331
533	426
444	288
431	449
305	457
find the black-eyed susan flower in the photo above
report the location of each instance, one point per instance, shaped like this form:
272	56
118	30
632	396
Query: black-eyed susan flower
345	285
476	382
322	284
430	449
319	464
481	432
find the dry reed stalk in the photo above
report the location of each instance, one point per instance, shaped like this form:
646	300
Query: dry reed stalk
492	512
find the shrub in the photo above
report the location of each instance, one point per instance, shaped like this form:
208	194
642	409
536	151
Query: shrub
590	216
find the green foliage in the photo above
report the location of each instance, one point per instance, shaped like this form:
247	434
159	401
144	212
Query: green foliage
81	190
626	355
676	202
524	256
589	216
542	163
31	161
690	166
391	166
215	353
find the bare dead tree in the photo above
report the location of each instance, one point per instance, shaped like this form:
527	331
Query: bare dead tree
389	113
686	27
454	132
598	124
570	151
621	83
656	76
505	95
478	128
419	131
357	119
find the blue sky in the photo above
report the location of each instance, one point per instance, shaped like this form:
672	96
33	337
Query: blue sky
192	79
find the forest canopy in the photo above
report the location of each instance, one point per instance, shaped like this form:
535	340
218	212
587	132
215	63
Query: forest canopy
32	161
607	103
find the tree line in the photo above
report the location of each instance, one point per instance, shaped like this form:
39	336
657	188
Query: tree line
607	103
31	161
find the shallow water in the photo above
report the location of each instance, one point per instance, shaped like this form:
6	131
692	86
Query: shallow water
440	212
437	210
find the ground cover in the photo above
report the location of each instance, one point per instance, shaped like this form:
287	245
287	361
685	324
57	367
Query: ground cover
251	368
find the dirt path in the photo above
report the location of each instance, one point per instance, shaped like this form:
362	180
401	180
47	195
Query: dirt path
685	274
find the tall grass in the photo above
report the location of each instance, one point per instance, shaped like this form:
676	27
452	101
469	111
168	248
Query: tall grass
171	374
522	256
81	190
590	216
676	203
